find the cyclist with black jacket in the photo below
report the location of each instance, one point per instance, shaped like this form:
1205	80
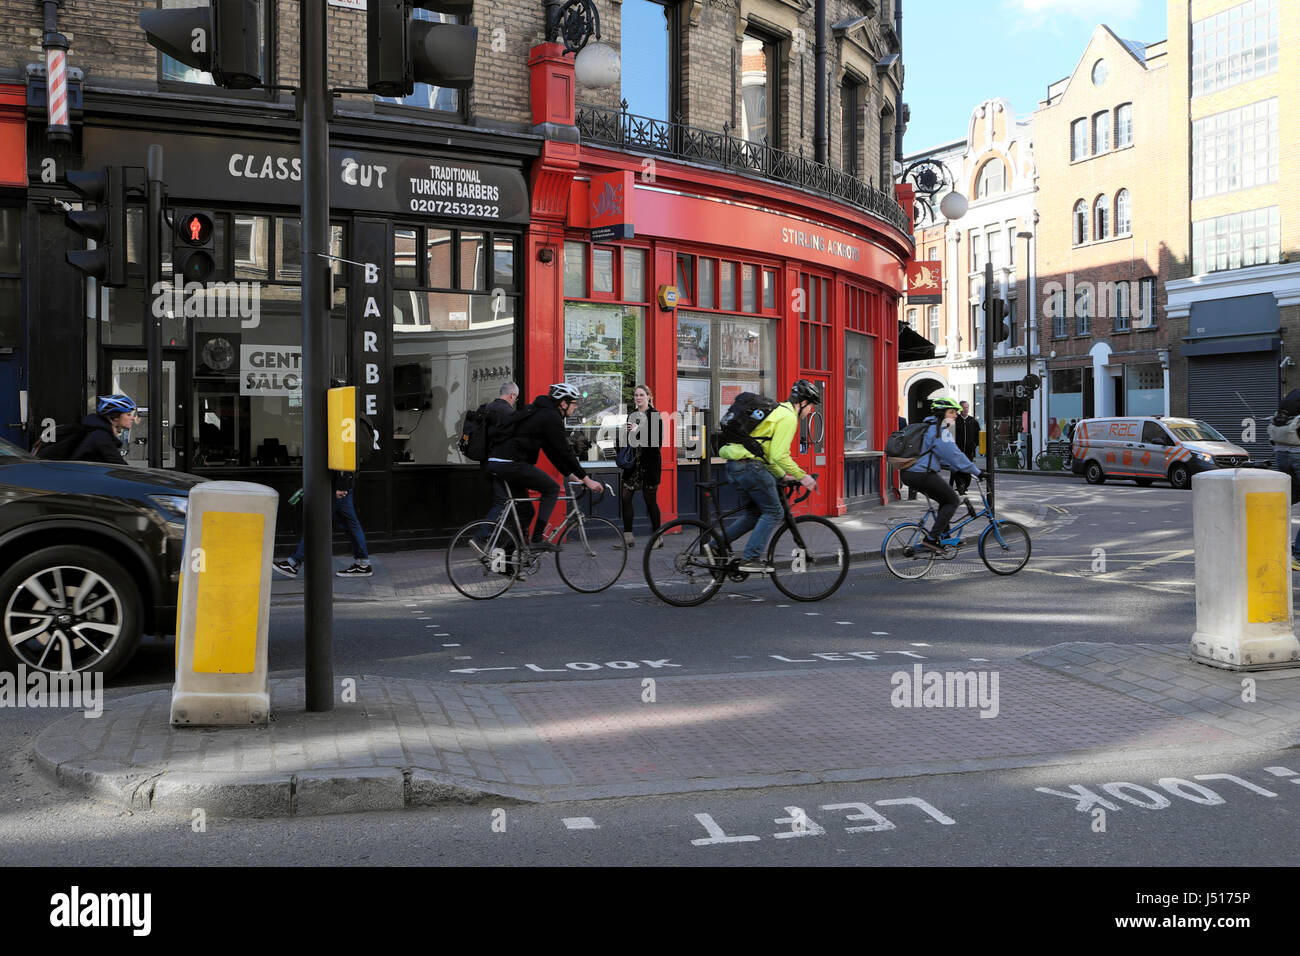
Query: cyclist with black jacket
939	451
532	429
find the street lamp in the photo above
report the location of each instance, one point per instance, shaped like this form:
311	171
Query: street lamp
574	23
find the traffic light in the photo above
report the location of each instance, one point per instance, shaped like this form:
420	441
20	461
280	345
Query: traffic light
106	224
998	322
194	245
402	51
221	39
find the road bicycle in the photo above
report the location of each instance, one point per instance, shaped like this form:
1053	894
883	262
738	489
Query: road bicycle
1004	546
486	557
686	561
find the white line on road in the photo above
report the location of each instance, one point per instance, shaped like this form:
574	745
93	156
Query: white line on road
580	823
475	670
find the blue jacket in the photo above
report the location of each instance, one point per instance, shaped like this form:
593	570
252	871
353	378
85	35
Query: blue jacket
941	451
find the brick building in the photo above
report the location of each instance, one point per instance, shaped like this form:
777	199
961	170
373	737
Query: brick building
788	250
1105	169
1234	249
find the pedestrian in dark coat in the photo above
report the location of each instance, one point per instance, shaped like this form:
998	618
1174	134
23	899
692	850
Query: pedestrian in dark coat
968	441
644	439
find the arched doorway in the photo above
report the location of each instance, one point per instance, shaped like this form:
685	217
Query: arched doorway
918	398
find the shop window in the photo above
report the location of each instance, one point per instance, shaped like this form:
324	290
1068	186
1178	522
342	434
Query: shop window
769	290
634	275
575	270
814	325
685	278
604	358
504	251
718	357
252	246
1144	389
173	71
748	288
727	286
1065	400
706	297
438	245
11	283
288	250
859	392
425	96
473	261
602	271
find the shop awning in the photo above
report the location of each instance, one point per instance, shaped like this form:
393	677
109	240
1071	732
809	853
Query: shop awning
912	346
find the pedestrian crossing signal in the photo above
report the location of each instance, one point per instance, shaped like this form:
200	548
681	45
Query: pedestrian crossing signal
194	252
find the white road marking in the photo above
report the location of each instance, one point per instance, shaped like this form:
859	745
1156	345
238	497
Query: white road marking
475	670
464	658
1280	771
451	645
914	644
580	823
843	622
880	633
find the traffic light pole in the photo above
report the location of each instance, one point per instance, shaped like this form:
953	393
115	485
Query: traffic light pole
318	492
153	275
989	319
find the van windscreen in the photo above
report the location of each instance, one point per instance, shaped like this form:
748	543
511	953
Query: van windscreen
1195	431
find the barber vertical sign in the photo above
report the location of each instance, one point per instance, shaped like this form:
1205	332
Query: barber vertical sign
56	94
373	252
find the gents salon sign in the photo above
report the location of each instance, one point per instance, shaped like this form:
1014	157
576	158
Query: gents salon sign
208	168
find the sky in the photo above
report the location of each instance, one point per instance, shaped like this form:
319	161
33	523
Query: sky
958	53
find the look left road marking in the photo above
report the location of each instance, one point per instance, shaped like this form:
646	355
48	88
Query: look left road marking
581	823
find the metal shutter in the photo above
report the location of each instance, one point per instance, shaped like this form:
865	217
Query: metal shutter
1225	389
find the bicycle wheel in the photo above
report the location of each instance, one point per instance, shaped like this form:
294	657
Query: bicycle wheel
903	553
817	569
689	568
593	556
1011	553
482	570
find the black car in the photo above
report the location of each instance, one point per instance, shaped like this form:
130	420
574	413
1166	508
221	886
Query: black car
90	558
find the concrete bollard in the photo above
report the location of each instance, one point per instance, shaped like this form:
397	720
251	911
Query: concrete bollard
225	606
1241	524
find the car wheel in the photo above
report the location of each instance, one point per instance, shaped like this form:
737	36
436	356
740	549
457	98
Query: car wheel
1093	473
1180	477
68	608
1144	482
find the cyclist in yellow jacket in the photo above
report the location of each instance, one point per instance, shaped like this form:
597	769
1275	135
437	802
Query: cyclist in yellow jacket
755	478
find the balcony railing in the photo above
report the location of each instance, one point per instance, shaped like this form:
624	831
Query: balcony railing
621	128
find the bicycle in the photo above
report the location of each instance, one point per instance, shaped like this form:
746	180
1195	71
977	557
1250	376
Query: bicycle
486	557
1004	546
696	556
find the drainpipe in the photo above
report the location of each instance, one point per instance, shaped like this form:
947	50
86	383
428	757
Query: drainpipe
55	45
898	107
819	89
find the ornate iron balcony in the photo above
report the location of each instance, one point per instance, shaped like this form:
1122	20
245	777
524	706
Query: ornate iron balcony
641	133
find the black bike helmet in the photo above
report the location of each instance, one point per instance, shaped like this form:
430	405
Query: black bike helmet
805	391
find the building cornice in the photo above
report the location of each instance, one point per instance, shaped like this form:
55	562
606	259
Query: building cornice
1281	280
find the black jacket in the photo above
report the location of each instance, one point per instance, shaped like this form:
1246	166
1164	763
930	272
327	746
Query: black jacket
968	435
100	443
539	427
648	434
499	413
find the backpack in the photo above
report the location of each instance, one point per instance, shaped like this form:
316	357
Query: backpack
473	442
903	449
67	440
744	415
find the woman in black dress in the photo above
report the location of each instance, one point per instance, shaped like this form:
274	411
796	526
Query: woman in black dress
644	439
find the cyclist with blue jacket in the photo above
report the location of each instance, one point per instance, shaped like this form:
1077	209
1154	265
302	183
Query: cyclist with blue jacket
939	451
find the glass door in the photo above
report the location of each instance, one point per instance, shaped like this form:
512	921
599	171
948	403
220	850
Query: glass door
129	375
810	450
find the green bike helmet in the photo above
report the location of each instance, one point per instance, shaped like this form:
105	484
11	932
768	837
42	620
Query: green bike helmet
943	404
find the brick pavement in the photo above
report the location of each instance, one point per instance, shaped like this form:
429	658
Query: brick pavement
412	743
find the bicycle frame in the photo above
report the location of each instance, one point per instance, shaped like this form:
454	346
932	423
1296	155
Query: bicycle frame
572	516
719	523
954	530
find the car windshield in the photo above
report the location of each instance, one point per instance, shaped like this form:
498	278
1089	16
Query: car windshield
11	451
1195	431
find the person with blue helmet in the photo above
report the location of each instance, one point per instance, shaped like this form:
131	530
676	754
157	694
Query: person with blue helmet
102	430
939	451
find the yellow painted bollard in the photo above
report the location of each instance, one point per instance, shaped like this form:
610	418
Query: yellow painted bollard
225	606
1241	524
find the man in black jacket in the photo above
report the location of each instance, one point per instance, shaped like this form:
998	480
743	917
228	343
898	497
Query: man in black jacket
102	436
968	440
534	428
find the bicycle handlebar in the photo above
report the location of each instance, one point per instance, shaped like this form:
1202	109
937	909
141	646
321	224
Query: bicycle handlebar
584	490
788	487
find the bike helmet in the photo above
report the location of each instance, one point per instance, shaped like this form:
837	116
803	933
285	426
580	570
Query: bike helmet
943	404
114	404
562	391
805	391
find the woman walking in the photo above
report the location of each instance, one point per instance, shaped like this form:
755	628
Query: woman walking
640	459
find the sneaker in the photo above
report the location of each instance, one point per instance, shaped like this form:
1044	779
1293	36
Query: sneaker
358	570
286	567
755	567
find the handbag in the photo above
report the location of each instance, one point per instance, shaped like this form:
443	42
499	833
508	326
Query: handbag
626	457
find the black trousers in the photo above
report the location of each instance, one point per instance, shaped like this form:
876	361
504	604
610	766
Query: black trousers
523	476
651	498
932	485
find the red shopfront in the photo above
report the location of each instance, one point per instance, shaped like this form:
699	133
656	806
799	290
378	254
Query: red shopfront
772	285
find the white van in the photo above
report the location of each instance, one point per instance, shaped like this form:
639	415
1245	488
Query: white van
1150	449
